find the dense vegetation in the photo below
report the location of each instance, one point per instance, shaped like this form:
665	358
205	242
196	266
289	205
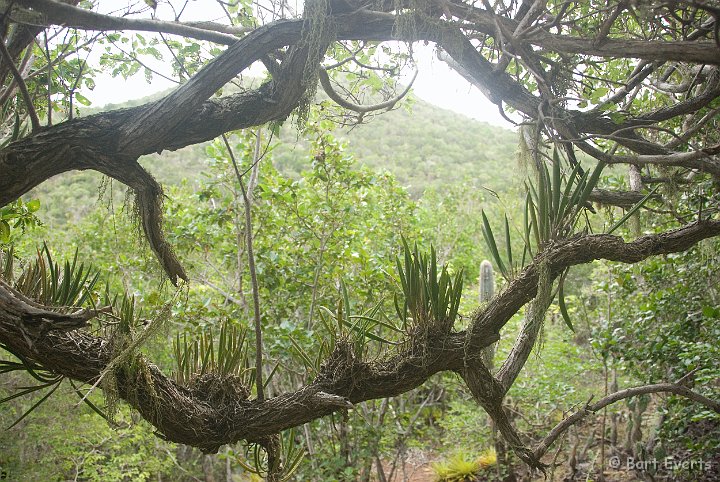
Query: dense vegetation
304	297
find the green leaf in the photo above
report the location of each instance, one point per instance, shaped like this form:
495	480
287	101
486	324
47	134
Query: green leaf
303	354
591	183
566	202
82	99
490	241
384	324
633	209
92	406
711	312
563	307
508	246
364	330
36	404
33	205
4	231
556	185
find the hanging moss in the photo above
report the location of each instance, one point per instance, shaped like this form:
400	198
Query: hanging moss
317	33
126	362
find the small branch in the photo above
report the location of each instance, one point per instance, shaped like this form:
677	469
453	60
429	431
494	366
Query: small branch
607	24
21	85
696	126
24	68
253	271
489	394
222	292
360	109
576	417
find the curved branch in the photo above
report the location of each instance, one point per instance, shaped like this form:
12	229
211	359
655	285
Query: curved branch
185	416
361	109
589	409
581	250
148	203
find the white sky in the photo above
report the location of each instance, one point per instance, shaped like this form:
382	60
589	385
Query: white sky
436	82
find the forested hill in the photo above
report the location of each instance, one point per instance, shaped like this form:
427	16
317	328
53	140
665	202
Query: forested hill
423	146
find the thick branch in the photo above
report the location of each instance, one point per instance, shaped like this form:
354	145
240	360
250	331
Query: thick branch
529	332
54	13
106	141
160	120
185	416
582	250
182	118
489	394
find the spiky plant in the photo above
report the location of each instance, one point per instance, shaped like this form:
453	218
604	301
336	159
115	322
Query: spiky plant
431	297
65	286
224	356
458	468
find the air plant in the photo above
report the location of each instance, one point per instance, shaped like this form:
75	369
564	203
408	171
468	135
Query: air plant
431	297
554	204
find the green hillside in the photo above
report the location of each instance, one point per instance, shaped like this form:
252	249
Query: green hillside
423	146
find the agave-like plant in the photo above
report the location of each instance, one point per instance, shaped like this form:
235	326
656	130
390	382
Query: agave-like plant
289	451
65	286
431	297
554	204
224	356
53	284
358	329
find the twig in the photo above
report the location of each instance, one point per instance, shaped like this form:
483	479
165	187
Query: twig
21	85
253	274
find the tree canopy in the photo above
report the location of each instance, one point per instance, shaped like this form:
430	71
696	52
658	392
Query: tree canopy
634	85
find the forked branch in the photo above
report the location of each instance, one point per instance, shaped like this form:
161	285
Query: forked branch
591	408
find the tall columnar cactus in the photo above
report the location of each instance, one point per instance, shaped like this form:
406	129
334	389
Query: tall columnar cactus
487	291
